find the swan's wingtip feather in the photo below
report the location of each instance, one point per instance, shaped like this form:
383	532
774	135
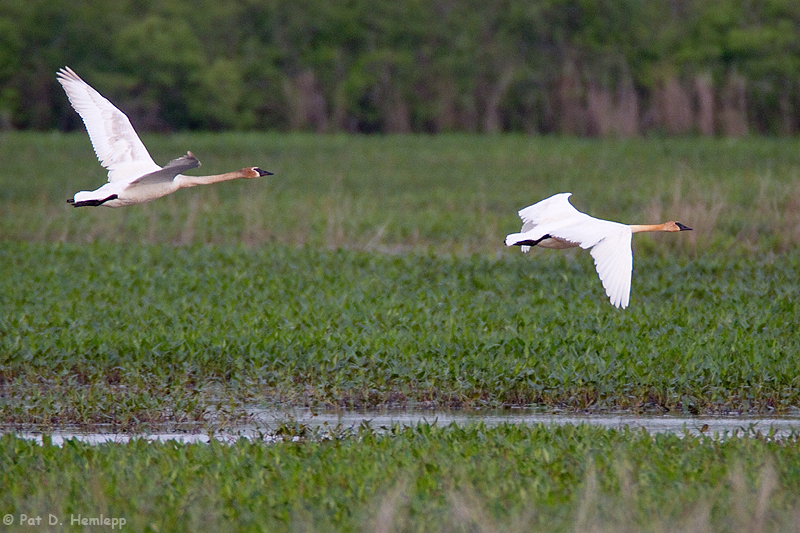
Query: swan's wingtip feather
620	301
67	74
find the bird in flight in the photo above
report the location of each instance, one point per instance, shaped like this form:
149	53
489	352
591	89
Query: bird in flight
555	223
133	176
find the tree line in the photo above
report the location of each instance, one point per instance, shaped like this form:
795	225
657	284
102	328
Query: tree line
577	67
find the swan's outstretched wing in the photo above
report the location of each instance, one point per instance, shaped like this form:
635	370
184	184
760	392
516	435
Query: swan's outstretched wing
170	170
552	209
613	259
115	142
610	244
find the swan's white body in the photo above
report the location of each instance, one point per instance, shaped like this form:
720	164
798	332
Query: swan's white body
133	176
554	223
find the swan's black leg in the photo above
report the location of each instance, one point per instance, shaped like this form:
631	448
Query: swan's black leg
531	243
91	203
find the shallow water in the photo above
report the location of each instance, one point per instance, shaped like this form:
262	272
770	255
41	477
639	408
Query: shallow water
265	421
783	425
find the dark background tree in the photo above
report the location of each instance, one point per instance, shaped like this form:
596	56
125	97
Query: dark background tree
580	67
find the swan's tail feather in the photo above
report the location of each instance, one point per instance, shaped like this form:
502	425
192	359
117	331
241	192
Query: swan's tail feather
515	239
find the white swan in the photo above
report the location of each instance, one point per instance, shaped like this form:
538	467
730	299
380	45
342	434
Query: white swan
554	223
133	176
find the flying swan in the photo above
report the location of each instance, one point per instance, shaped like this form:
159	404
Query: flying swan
133	176
554	223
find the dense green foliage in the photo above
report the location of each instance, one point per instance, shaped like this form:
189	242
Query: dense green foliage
601	67
508	478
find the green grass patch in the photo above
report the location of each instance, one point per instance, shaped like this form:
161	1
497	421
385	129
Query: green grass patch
426	478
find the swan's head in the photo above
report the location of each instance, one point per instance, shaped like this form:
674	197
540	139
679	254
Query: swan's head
255	172
675	226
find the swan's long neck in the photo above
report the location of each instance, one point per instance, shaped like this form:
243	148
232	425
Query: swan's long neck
641	228
191	181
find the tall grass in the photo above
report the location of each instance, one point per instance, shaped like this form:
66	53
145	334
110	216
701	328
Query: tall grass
453	193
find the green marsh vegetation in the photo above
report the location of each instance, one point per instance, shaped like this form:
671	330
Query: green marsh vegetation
370	271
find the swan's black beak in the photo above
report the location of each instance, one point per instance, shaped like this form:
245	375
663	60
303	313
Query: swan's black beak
262	172
682	227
